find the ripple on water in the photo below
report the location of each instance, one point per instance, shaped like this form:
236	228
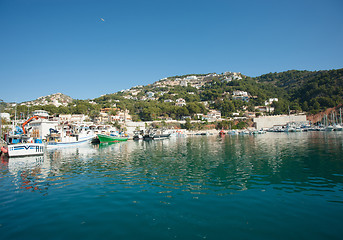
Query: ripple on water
201	187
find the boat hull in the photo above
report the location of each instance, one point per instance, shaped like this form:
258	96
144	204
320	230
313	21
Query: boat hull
25	149
156	137
106	139
71	143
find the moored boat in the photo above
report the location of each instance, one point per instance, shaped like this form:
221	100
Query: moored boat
57	139
19	143
152	134
232	132
222	133
161	136
109	138
22	145
25	149
137	135
337	127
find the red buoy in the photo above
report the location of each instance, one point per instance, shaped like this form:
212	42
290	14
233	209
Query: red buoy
4	150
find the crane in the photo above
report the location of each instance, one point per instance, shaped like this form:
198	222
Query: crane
29	120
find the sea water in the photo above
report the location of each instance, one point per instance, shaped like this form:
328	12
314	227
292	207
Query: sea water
270	186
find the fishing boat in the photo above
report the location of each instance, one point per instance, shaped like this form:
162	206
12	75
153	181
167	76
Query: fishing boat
67	136
161	136
19	144
25	149
138	135
111	138
153	134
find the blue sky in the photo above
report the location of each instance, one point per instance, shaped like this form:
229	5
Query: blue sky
49	46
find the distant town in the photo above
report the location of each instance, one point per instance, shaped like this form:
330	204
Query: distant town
195	102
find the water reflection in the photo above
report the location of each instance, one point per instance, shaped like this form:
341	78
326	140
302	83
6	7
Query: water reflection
305	162
28	173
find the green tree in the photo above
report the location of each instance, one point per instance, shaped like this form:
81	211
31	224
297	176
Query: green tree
188	124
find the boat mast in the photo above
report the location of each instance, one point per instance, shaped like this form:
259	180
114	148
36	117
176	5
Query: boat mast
15	119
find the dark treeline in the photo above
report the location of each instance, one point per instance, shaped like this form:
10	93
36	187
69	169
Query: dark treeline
309	91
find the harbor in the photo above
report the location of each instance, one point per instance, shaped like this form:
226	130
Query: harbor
167	120
32	136
293	178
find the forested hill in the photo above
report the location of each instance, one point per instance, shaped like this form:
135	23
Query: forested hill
310	90
190	95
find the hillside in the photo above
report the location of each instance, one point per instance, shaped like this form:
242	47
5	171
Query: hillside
297	91
57	99
194	95
311	91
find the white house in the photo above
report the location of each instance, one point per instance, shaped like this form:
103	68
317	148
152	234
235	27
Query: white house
270	101
240	93
135	92
243	98
265	108
75	118
213	115
183	83
191	78
41	127
180	102
150	94
121	117
5	116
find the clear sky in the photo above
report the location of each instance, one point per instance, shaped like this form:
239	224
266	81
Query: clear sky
86	48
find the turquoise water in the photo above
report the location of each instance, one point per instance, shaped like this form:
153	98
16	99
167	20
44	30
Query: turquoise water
271	186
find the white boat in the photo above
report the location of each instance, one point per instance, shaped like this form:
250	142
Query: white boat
244	132
290	129
21	145
337	127
329	128
232	132
69	141
154	134
176	133
65	138
25	149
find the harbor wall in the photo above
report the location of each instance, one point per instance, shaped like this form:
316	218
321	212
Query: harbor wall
270	121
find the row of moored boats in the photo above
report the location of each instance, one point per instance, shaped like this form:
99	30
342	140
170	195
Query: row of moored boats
19	142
